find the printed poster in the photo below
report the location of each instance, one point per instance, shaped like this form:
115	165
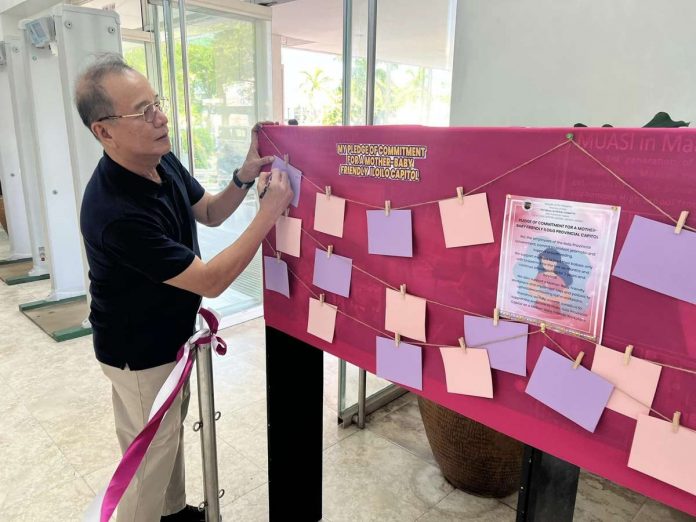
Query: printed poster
555	263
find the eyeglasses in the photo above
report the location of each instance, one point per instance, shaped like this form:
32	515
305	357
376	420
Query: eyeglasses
148	113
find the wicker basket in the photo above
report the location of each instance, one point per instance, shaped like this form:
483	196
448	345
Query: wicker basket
472	457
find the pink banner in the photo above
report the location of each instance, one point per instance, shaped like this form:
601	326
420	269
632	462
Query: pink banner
413	165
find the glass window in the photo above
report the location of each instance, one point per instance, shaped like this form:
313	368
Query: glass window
134	54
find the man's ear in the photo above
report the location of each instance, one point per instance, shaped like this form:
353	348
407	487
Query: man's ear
101	132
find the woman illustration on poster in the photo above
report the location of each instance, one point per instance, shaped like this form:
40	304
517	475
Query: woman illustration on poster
551	286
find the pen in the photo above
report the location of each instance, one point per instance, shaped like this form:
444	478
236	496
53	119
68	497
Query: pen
263	192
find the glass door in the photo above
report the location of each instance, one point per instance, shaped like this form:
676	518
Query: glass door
226	63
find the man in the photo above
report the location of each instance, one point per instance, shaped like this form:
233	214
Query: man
138	220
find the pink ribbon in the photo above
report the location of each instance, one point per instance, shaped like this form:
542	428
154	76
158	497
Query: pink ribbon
136	451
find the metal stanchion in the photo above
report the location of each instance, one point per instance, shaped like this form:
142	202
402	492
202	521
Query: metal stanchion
206	426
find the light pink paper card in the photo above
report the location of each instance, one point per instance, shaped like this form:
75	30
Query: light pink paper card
405	315
638	379
328	214
468	373
667	456
322	319
288	235
466	222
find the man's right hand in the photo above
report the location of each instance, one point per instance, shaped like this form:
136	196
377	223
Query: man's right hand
278	193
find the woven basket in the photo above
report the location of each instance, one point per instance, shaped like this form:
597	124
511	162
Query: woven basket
472	457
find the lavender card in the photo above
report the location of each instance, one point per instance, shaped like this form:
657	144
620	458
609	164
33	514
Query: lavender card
508	356
390	235
654	257
275	272
332	273
294	176
402	364
577	394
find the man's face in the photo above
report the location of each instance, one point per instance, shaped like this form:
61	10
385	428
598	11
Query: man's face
133	138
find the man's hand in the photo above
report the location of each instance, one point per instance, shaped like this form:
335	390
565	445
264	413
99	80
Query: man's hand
253	163
278	193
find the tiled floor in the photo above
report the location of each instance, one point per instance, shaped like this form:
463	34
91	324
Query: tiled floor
57	444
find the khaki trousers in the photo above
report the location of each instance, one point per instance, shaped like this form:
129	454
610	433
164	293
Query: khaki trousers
158	487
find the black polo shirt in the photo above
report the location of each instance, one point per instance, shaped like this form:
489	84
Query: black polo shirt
137	234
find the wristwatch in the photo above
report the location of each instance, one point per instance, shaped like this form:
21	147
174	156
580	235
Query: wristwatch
239	182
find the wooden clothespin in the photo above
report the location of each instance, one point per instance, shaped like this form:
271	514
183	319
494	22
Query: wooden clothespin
542	327
387	207
675	421
286	159
627	354
327	191
460	195
278	256
681	222
578	360
321	298
329	251
462	344
496	316
397	339
402	289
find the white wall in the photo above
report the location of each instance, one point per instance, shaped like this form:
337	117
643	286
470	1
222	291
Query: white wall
555	63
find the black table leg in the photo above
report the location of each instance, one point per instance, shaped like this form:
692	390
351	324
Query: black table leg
547	489
294	387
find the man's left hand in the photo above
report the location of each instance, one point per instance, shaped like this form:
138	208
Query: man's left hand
254	163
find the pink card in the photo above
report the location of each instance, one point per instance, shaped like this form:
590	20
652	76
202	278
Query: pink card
405	315
468	373
638	379
328	214
322	319
667	456
466	222
288	234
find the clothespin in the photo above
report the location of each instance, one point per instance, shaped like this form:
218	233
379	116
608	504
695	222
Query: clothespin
542	327
681	222
278	256
327	191
286	159
578	360
496	316
460	195
329	251
402	289
387	207
397	339
627	354
462	344
675	421
321	298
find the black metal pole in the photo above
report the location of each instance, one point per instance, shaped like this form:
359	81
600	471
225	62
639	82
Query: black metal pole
294	387
548	487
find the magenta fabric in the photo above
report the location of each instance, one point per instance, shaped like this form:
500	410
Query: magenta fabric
658	162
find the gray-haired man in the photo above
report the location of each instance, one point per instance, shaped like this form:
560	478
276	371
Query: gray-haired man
138	220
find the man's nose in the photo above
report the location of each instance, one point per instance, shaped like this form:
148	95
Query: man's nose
160	118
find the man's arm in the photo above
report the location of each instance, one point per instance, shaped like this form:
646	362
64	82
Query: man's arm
213	210
212	278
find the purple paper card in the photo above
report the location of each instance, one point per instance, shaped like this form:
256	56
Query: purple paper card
508	356
654	257
577	394
402	364
294	176
275	273
332	273
390	235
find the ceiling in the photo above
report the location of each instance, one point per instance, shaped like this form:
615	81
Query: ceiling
408	31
